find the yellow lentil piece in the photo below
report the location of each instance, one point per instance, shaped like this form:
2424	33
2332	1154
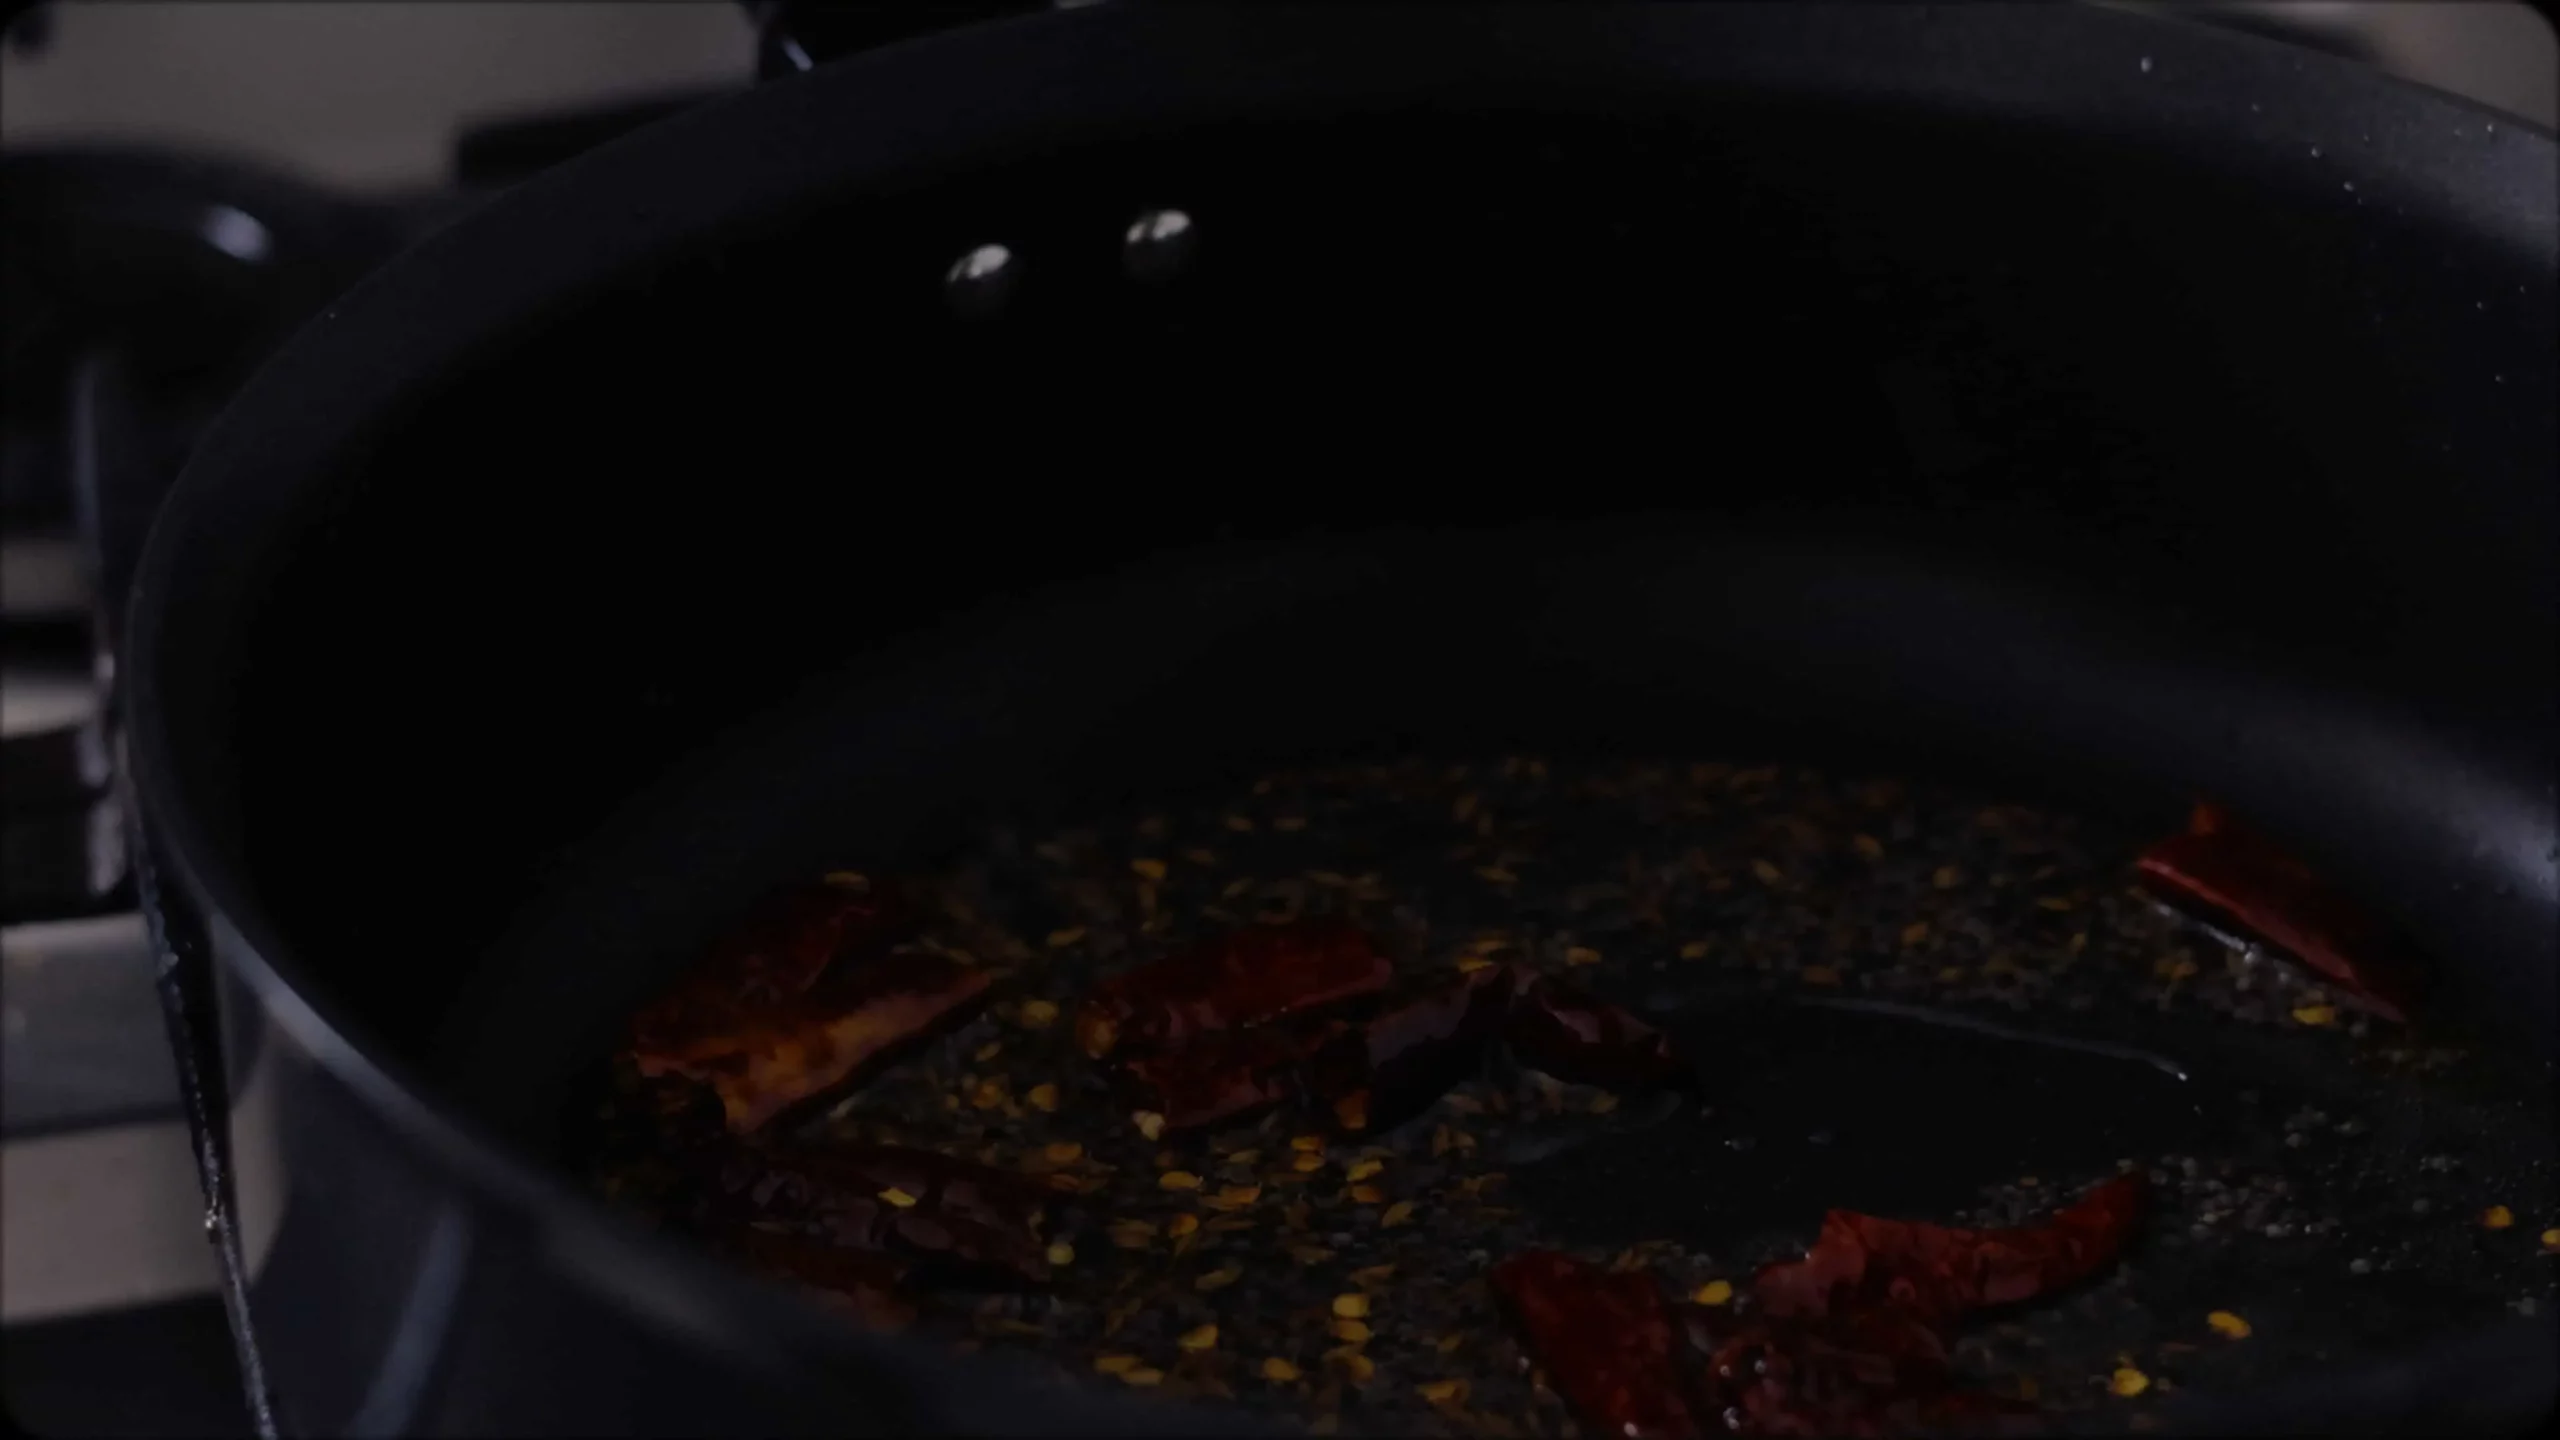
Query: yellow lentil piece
1368	1195
1149	1123
1061	939
897	1197
1043	1097
1694	950
1354	1306
1363	1169
1037	1014
1581	955
1279	1371
2497	1217
1396	1215
1062	1152
2228	1325
1351	1332
1714	1292
1204	1338
2315	1014
1062	1253
1178	1180
2128	1382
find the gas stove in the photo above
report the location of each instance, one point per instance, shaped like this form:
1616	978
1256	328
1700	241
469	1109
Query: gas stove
141	288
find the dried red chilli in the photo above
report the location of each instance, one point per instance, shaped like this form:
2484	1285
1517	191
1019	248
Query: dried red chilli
917	1208
1248	977
1851	1340
1413	1053
1218	1079
801	1003
1580	1038
1428	1039
1371	1073
1606	1341
1878	1372
806	998
1941	1273
772	959
2245	884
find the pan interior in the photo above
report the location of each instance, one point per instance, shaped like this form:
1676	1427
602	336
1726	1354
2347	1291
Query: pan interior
1778	430
1888	444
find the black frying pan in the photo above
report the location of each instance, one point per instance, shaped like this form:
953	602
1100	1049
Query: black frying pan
1993	392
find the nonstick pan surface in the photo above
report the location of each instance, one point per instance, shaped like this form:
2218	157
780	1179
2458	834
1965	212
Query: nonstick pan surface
2305	1179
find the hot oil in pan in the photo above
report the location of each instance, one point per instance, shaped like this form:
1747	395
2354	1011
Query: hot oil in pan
1900	1000
1872	1106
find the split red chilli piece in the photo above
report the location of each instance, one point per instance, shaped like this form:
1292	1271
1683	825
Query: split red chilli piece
1940	1273
1876	1372
1606	1341
1851	1340
799	1003
917	1210
1371	1074
2243	883
1411	1053
1427	1039
1218	1079
1584	1040
1249	977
